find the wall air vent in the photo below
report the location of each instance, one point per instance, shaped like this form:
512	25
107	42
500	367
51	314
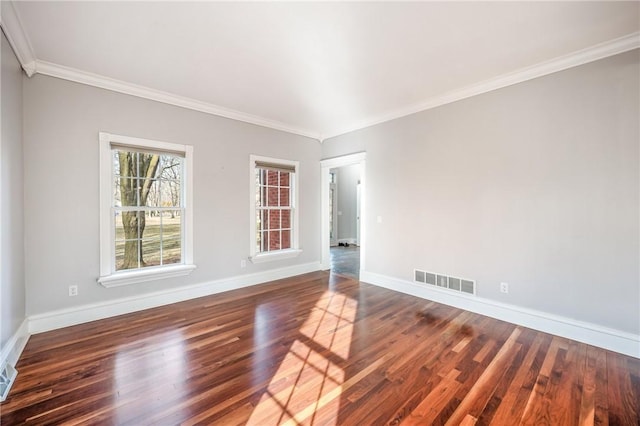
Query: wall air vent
461	285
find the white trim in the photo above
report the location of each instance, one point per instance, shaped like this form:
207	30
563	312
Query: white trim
141	275
325	167
295	242
10	23
108	276
574	59
344	160
12	350
96	80
592	334
14	31
275	255
81	314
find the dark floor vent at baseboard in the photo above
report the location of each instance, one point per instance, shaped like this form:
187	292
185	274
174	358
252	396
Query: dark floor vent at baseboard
461	285
7	376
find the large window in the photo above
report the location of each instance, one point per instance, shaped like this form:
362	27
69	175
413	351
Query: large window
273	209
146	215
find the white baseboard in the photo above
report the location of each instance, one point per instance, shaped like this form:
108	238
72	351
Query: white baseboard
85	313
12	350
592	334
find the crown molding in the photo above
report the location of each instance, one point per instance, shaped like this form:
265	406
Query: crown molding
13	30
100	81
580	57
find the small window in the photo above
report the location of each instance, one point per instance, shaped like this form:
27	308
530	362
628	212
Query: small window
145	210
273	209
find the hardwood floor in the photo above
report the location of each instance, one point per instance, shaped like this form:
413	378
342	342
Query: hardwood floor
346	261
317	349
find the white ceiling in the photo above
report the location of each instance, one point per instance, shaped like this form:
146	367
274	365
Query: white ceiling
318	69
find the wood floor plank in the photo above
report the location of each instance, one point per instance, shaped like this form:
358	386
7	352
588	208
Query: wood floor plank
316	349
513	401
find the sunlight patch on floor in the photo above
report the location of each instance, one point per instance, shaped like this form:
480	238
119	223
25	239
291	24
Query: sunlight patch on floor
308	378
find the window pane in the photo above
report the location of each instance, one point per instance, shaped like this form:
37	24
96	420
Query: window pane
273	196
286	239
172	224
148	165
258	191
150	252
284	197
170	168
171	251
119	254
152	193
116	193
171	195
128	191
259	222
119	228
274	240
272	178
263	196
265	241
127	224
127	255
130	227
152	224
274	219
286	219
258	242
284	179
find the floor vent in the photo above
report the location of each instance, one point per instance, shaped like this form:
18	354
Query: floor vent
461	285
7	377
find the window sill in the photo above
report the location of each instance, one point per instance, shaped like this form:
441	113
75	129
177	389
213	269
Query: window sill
276	255
132	277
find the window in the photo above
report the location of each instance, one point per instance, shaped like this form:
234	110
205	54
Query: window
274	218
145	218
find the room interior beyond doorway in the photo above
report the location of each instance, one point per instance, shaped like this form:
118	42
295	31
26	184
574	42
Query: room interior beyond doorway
344	219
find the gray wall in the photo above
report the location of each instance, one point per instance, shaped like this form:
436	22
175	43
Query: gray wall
347	178
535	184
62	121
12	288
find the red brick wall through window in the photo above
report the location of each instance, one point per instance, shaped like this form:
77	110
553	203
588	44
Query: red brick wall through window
274	204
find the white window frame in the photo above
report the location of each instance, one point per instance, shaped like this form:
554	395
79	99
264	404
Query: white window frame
109	277
295	250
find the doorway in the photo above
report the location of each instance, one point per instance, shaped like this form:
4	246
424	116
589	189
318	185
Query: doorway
343	251
344	220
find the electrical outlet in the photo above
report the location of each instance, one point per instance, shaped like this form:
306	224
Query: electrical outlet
504	287
73	290
243	263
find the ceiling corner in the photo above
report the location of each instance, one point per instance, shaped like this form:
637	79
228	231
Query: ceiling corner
590	54
13	29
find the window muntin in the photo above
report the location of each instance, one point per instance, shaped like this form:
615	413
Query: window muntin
148	205
273	209
274	217
150	183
